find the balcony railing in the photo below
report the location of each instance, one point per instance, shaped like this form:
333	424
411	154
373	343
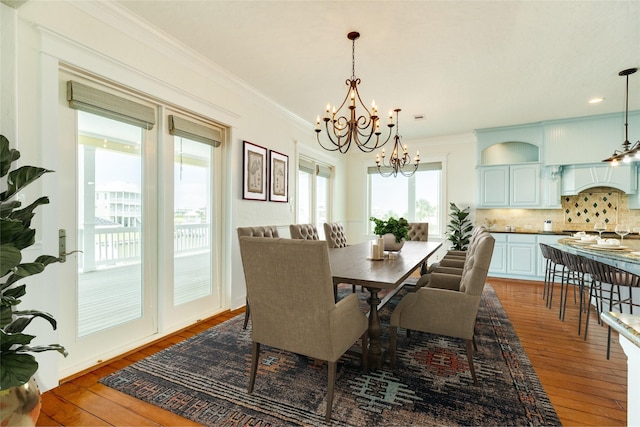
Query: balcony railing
121	245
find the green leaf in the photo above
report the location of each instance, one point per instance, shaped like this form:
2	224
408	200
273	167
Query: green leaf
7	207
16	369
10	258
42	348
20	178
15	292
25	317
26	214
7	156
10	340
6	314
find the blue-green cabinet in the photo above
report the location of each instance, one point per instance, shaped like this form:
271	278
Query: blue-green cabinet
509	186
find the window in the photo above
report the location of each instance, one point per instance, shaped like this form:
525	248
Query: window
418	198
314	193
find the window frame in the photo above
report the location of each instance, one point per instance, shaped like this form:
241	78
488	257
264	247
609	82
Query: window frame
442	199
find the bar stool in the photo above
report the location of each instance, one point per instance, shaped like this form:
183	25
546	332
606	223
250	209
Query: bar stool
576	269
607	279
546	254
558	270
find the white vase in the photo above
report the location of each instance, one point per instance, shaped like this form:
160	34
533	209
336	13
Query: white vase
20	405
390	243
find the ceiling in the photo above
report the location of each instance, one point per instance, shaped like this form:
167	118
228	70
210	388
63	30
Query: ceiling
463	65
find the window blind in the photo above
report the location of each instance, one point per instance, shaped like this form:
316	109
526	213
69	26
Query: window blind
307	166
323	171
96	101
194	131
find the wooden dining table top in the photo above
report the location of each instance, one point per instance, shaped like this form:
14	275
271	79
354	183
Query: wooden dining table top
352	264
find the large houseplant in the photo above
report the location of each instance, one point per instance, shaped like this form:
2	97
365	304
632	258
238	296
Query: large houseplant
459	228
17	363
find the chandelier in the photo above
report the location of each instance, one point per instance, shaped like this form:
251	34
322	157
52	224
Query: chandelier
628	153
346	127
399	158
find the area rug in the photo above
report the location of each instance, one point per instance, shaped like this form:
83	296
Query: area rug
205	379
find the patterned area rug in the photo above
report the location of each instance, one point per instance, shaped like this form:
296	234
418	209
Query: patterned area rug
205	379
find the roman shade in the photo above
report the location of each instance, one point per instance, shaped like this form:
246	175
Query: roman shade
194	131
91	100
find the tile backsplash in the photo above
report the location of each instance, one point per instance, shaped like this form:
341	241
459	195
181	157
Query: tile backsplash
578	213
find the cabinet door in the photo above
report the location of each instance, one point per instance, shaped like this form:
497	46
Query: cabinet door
498	259
522	259
525	185
494	186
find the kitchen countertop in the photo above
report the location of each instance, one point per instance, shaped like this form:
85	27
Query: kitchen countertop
627	325
621	258
566	233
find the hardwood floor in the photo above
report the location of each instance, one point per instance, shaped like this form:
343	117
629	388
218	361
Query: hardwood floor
585	388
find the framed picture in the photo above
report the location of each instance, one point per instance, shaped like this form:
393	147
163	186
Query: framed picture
254	172
279	182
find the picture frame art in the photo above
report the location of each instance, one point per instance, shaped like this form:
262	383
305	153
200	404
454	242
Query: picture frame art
254	172
279	180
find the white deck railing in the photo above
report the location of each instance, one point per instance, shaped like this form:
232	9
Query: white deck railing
121	245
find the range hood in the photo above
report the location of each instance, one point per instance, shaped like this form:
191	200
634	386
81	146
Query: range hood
578	178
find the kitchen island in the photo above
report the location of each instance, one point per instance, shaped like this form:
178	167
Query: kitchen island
627	259
626	324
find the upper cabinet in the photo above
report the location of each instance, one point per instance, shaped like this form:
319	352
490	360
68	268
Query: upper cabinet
588	139
530	166
509	173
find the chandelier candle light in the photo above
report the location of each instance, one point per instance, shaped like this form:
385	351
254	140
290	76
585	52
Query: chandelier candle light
397	162
628	153
344	128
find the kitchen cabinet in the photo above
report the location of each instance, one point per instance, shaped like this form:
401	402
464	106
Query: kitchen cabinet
498	264
509	186
518	256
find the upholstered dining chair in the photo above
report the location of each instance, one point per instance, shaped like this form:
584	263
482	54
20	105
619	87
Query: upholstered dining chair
453	264
304	231
449	304
455	258
419	231
290	286
270	231
335	237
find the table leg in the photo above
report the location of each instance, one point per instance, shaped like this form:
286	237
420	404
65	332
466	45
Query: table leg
376	355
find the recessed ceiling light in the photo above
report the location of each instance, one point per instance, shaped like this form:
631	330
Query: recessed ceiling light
595	100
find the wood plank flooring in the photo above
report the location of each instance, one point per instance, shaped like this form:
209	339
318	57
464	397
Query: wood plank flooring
585	388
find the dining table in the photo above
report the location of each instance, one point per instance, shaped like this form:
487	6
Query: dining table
355	265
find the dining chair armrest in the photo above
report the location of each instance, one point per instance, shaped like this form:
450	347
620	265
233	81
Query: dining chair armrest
448	270
347	323
445	281
452	262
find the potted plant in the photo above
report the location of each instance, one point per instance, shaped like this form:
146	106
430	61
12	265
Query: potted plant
396	231
459	228
19	395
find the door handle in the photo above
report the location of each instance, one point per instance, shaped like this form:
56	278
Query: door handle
62	246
